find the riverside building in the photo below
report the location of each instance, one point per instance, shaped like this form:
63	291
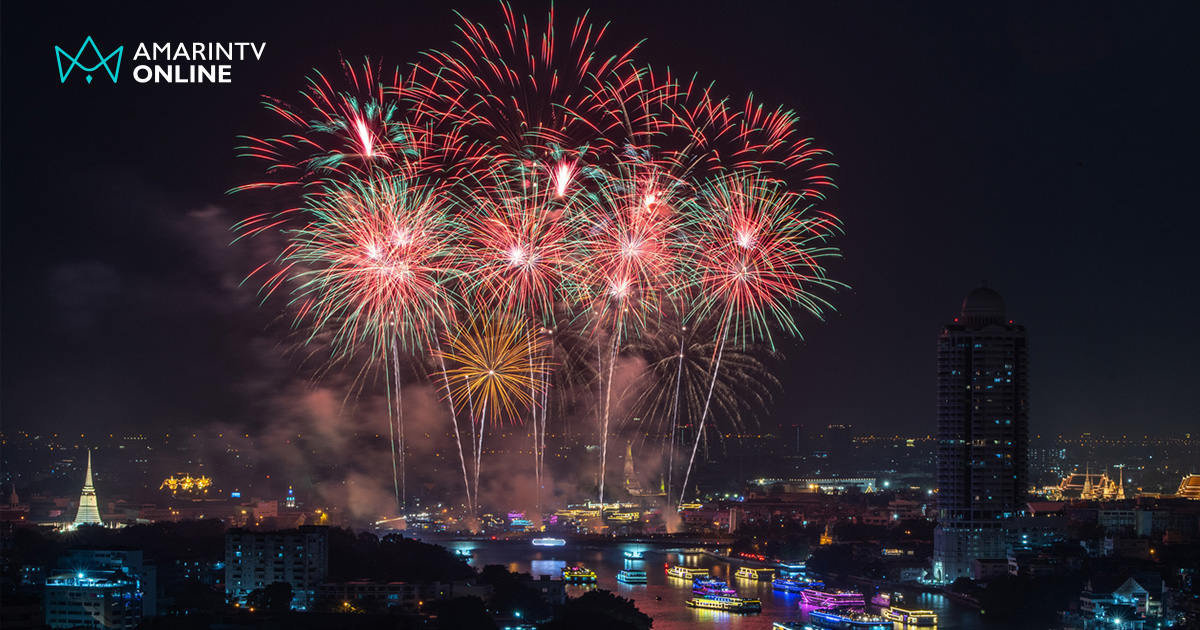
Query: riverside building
983	434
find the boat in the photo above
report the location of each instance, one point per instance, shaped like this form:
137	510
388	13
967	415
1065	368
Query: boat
548	542
795	585
751	573
787	625
712	586
911	617
791	568
634	554
578	575
883	600
686	572
727	604
821	597
464	553
631	576
848	619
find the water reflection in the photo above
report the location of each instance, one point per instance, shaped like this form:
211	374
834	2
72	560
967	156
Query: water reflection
553	568
664	598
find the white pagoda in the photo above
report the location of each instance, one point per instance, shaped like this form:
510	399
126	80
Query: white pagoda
89	511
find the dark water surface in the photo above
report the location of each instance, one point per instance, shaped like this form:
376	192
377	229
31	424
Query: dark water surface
671	611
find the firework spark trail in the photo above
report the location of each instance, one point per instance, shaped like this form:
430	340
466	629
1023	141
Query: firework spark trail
576	186
497	359
637	261
400	429
674	422
522	253
373	267
513	93
759	254
437	352
365	128
704	415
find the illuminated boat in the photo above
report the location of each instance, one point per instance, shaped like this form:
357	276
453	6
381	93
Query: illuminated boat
787	625
712	586
727	604
634	554
848	619
795	585
631	576
911	617
464	553
688	573
751	573
787	569
578	575
883	600
548	542
821	597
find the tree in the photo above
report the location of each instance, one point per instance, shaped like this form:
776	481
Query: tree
964	585
600	610
512	595
464	613
275	597
195	597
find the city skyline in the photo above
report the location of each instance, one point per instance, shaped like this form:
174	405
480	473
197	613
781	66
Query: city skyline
972	143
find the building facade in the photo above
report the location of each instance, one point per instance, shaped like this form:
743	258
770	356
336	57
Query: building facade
125	561
983	434
93	599
256	559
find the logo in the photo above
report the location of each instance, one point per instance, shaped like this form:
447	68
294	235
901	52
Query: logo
78	60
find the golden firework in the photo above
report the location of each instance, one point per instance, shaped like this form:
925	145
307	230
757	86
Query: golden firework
496	364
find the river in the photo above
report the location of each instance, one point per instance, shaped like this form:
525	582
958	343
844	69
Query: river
664	598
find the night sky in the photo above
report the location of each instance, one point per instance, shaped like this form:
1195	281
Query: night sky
1051	151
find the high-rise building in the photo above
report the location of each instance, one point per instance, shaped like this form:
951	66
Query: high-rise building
93	599
983	434
254	560
89	510
125	560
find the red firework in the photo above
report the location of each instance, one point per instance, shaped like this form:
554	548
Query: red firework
759	254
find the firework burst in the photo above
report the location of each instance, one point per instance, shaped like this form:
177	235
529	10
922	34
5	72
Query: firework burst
760	252
494	366
564	202
376	265
356	131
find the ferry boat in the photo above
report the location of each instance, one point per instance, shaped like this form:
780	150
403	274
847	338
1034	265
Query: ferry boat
634	554
751	573
689	573
727	604
911	617
579	575
787	569
821	597
712	586
548	542
845	618
631	576
795	585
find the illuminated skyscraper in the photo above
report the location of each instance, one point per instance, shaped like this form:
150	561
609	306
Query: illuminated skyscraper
89	511
983	434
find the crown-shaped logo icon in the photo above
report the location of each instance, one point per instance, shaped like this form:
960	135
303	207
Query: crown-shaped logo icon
101	60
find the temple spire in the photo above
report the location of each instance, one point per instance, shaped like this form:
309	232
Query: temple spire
87	485
89	510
